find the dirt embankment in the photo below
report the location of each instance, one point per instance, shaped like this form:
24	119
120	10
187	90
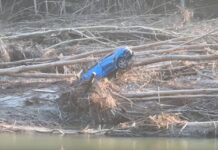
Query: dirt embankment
169	90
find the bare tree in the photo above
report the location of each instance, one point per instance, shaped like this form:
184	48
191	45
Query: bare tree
63	7
0	5
183	3
46	6
35	7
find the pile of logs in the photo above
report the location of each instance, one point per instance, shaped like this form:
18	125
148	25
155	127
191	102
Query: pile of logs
185	64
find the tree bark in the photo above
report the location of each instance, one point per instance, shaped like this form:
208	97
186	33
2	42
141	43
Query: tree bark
18	69
46	6
35	7
176	58
1	6
171	92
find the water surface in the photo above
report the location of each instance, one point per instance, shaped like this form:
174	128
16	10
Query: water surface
38	142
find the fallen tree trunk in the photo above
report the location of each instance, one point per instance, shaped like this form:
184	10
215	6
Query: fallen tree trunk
192	129
185	47
143	47
42	75
78	31
188	129
159	43
44	130
173	98
18	69
27	61
40	33
134	48
69	41
151	35
170	92
82	55
176	58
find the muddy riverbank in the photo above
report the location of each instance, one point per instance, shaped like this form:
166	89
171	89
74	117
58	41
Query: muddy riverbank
169	89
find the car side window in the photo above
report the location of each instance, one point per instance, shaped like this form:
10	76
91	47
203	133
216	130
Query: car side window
105	57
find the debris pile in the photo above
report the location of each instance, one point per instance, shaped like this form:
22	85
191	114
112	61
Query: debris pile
174	72
164	120
100	94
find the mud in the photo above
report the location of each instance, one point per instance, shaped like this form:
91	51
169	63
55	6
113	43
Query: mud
67	103
31	105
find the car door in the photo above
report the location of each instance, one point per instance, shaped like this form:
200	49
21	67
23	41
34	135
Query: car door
108	64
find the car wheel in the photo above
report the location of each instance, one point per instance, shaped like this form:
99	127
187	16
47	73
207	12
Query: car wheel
122	63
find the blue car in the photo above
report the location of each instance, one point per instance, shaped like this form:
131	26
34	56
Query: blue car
118	59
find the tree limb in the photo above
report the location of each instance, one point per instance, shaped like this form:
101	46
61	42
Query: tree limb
176	58
18	69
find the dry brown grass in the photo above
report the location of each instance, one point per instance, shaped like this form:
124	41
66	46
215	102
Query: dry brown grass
163	120
137	75
100	94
